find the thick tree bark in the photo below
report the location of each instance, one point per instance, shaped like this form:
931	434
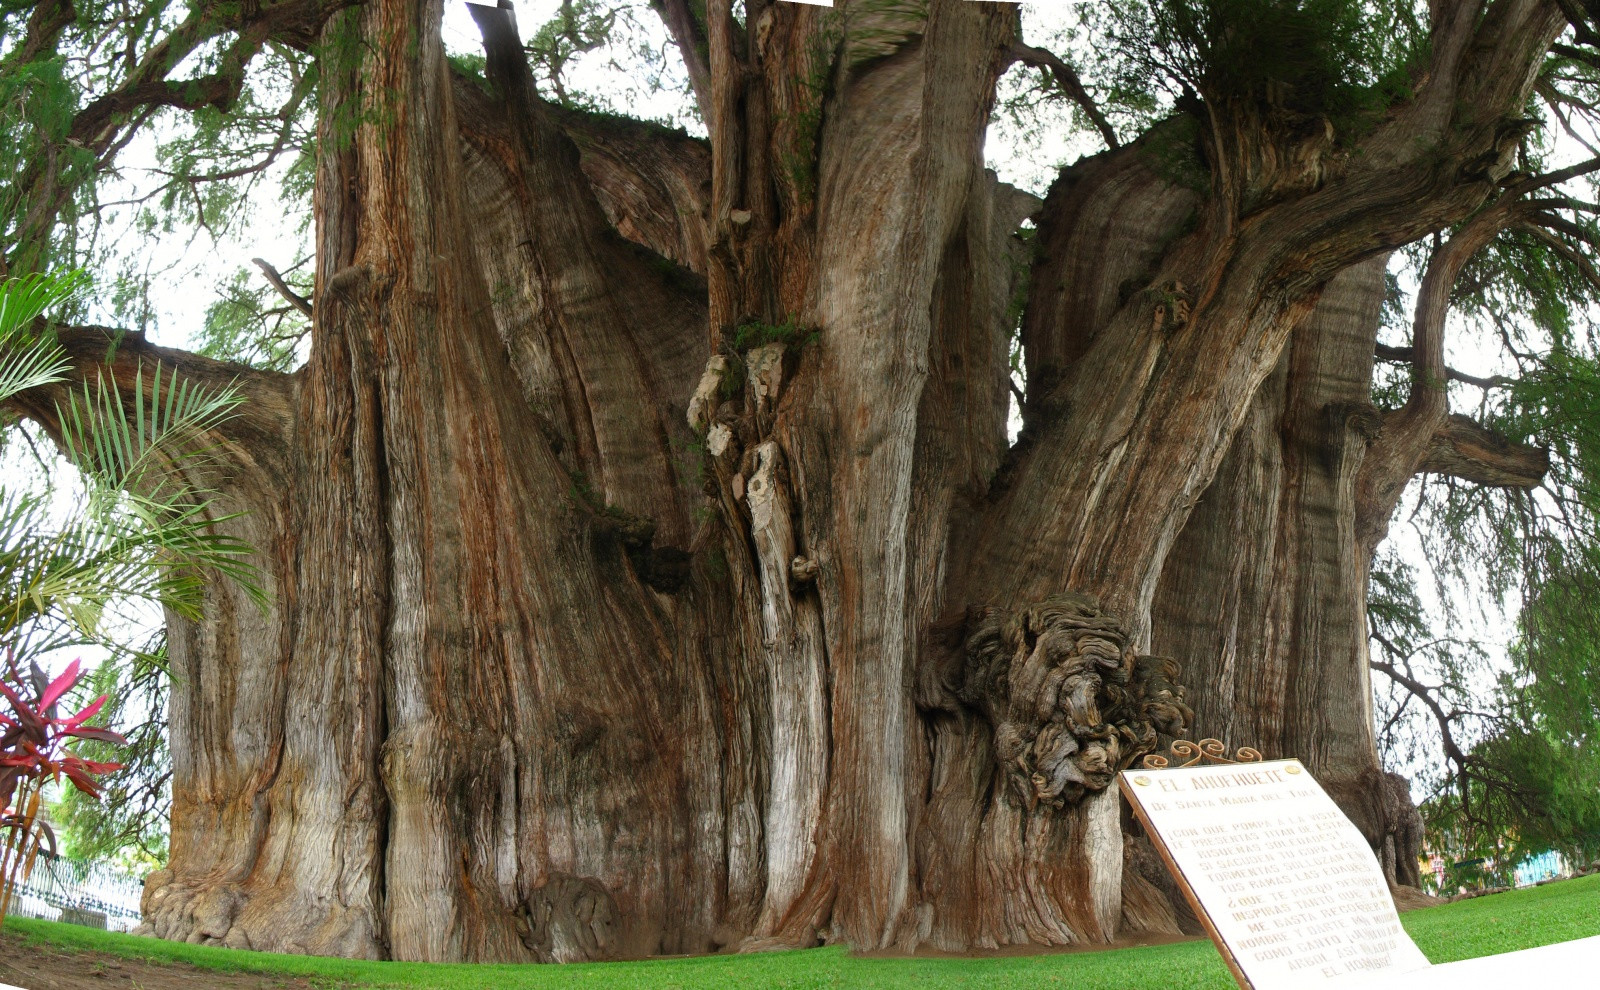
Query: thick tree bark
651	571
1263	598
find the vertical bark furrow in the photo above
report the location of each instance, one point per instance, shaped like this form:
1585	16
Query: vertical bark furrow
900	157
1105	225
632	328
1263	597
798	750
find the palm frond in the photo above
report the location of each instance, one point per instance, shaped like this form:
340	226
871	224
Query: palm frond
30	357
24	299
134	444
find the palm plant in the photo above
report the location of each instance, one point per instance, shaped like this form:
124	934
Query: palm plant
141	531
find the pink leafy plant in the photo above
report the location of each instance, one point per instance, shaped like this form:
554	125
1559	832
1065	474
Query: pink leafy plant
33	741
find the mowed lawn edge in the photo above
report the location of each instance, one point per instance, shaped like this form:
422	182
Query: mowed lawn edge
1522	919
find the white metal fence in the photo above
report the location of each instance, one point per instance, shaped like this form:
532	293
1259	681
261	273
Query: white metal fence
83	893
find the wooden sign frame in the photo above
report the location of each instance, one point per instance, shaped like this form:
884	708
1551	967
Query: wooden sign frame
1184	885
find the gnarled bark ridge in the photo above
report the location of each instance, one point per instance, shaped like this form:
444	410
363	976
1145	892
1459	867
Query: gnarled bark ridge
652	572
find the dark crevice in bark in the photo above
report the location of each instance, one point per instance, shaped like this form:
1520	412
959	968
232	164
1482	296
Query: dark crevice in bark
383	703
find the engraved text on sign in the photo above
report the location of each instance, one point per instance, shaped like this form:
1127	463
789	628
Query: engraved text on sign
1289	886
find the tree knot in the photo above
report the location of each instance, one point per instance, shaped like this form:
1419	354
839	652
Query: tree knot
570	919
1069	703
803	570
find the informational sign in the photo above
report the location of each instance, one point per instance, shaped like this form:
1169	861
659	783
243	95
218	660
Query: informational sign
1286	886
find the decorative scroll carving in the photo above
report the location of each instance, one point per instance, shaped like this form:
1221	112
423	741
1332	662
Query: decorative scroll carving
1204	751
1069	702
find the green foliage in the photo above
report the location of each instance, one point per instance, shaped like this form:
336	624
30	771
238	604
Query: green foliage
752	334
1337	58
790	333
471	65
37	103
1529	735
140	531
136	534
250	323
1550	751
579	27
1345	60
614	39
29	356
1529	785
65	200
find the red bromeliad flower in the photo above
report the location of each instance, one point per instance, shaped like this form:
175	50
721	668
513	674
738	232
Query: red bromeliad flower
32	736
32	750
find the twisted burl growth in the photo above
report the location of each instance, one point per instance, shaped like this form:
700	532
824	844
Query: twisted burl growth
1070	703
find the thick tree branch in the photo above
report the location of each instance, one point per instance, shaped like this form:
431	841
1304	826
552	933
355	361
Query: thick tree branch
727	158
1407	435
1548	179
1140	422
95	126
104	125
1588	58
1568	253
1464	448
688	31
1582	31
256	436
1069	81
1452	29
44	26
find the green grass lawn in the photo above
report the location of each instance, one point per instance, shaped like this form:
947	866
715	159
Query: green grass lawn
1499	923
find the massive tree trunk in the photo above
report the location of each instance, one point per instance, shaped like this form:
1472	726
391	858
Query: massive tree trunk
1263	599
651	570
1267	581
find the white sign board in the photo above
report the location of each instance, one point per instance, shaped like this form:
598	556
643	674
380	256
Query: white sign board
1287	887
